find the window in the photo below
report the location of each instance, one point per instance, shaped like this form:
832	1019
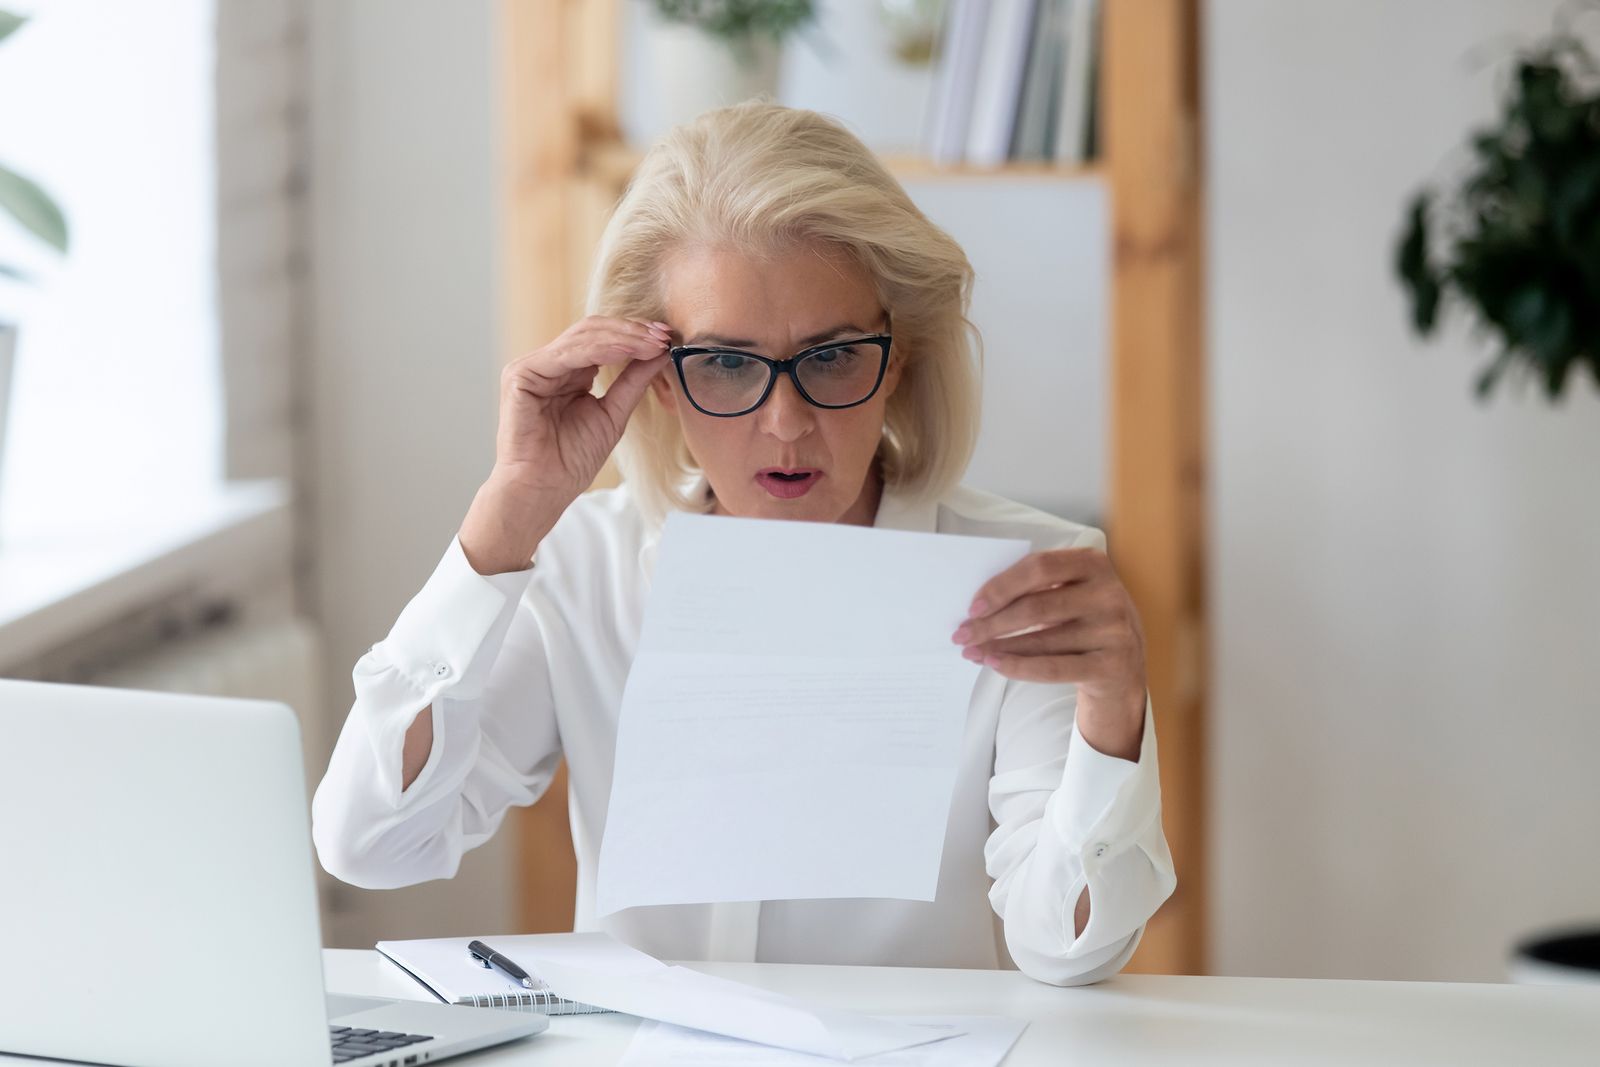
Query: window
116	404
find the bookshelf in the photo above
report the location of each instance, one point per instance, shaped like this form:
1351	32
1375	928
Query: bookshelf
565	163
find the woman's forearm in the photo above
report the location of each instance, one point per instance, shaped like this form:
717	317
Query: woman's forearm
505	524
418	744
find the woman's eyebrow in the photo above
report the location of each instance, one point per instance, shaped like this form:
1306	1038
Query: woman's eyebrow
740	342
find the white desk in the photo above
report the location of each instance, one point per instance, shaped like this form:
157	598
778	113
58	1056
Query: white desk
1128	1020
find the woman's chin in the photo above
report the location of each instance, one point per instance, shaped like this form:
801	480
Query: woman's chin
800	510
813	507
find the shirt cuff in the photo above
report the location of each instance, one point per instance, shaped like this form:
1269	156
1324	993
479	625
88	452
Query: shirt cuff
439	633
1107	800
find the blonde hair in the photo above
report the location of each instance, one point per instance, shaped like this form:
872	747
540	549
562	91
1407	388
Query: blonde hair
758	178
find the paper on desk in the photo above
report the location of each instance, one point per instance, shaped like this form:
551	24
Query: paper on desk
600	971
792	720
984	1044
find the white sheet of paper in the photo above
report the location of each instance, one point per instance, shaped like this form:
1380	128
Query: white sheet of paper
792	720
596	969
984	1044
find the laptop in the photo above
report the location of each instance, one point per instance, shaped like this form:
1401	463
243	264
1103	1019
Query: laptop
158	903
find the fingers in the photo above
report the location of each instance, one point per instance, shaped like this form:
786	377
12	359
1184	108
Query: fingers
1057	616
1038	570
1068	638
593	342
607	327
1047	607
629	387
1078	667
605	349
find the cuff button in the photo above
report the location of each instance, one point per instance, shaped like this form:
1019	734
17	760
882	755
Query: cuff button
1100	849
441	670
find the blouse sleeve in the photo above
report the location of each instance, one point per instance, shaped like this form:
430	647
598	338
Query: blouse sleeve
465	646
1070	816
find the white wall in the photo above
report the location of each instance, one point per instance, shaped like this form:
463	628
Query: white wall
405	364
1406	586
1040	250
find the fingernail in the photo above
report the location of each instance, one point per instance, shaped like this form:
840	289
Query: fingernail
961	635
973	654
979	607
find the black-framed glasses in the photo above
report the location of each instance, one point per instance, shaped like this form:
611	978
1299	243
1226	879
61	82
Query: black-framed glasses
728	382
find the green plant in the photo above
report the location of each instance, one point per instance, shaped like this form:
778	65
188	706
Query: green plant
737	21
1518	238
22	199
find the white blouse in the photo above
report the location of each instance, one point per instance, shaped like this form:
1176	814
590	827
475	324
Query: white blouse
527	667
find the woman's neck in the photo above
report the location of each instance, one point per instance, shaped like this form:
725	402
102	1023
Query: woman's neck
864	512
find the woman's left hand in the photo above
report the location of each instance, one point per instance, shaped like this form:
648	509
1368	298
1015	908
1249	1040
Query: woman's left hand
1080	626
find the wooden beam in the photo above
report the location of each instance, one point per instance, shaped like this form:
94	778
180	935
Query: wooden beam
540	140
1155	532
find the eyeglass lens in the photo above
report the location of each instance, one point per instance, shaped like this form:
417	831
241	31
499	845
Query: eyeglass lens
727	382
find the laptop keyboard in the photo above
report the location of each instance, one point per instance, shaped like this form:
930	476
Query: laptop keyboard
349	1044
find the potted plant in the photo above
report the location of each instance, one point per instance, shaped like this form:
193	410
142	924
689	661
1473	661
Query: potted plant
1516	241
712	53
37	213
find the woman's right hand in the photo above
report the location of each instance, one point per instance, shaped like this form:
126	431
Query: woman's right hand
555	435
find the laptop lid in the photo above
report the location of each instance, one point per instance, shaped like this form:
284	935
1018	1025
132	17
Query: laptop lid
158	901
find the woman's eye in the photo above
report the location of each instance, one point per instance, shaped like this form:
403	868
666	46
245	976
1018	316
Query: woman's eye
835	358
729	361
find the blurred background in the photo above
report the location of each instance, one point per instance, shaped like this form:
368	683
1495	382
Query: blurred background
261	263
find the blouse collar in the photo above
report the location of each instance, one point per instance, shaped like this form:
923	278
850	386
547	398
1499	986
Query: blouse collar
896	511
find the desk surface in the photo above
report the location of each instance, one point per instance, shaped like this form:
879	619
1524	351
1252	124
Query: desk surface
1131	1019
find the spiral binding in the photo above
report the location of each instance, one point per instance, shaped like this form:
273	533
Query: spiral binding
541	1001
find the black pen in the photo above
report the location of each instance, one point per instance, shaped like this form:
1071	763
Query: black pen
489	957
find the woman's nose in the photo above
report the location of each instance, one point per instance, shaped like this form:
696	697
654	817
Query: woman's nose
786	415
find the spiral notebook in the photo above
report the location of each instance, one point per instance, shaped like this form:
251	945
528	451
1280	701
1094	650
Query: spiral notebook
447	970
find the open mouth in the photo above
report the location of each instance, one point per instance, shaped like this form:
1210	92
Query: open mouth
788	484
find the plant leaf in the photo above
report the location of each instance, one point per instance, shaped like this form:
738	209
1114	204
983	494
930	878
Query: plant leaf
32	206
1491	374
9	24
1555	376
1411	264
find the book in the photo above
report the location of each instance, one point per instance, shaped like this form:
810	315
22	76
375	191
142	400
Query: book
997	95
954	79
1077	72
1034	138
1091	149
446	969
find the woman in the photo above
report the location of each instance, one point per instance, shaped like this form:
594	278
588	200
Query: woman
823	372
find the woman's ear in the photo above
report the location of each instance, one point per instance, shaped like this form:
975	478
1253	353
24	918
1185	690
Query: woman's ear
661	385
891	374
